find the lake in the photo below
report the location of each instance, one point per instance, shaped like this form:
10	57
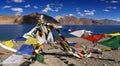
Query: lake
13	31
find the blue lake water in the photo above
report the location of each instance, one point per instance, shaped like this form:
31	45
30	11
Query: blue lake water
13	31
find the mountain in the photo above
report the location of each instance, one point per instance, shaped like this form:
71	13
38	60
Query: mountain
66	20
6	19
72	20
33	19
26	19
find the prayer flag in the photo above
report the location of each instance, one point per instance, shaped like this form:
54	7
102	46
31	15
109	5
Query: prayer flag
8	43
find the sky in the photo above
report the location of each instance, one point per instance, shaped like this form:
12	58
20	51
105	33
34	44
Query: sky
96	9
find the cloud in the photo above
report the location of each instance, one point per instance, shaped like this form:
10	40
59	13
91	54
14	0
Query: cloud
7	6
110	7
17	10
35	7
48	8
27	6
114	1
86	12
80	14
111	1
89	12
71	15
105	1
18	1
52	8
57	9
106	10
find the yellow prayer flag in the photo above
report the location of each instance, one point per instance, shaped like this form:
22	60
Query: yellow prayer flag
8	43
84	47
31	40
70	49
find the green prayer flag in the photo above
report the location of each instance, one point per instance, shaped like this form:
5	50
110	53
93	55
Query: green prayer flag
39	58
113	42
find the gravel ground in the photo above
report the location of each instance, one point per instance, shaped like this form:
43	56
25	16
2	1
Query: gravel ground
56	57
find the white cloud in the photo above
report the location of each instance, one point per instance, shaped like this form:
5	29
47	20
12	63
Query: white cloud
17	10
48	8
106	10
80	14
105	1
114	1
71	15
111	7
111	1
89	12
18	1
85	12
7	6
36	7
57	9
52	8
27	6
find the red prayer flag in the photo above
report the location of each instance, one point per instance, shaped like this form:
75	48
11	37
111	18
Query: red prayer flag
94	38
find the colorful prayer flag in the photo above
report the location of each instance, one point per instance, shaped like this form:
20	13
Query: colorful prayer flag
31	40
8	43
39	58
13	59
113	42
76	45
26	49
94	38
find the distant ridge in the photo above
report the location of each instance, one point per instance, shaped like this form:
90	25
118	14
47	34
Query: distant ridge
26	19
63	20
72	20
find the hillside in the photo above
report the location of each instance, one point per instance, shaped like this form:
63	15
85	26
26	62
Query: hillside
66	20
72	20
26	19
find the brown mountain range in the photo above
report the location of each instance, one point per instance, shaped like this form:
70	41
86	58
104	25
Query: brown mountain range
66	20
72	20
26	19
